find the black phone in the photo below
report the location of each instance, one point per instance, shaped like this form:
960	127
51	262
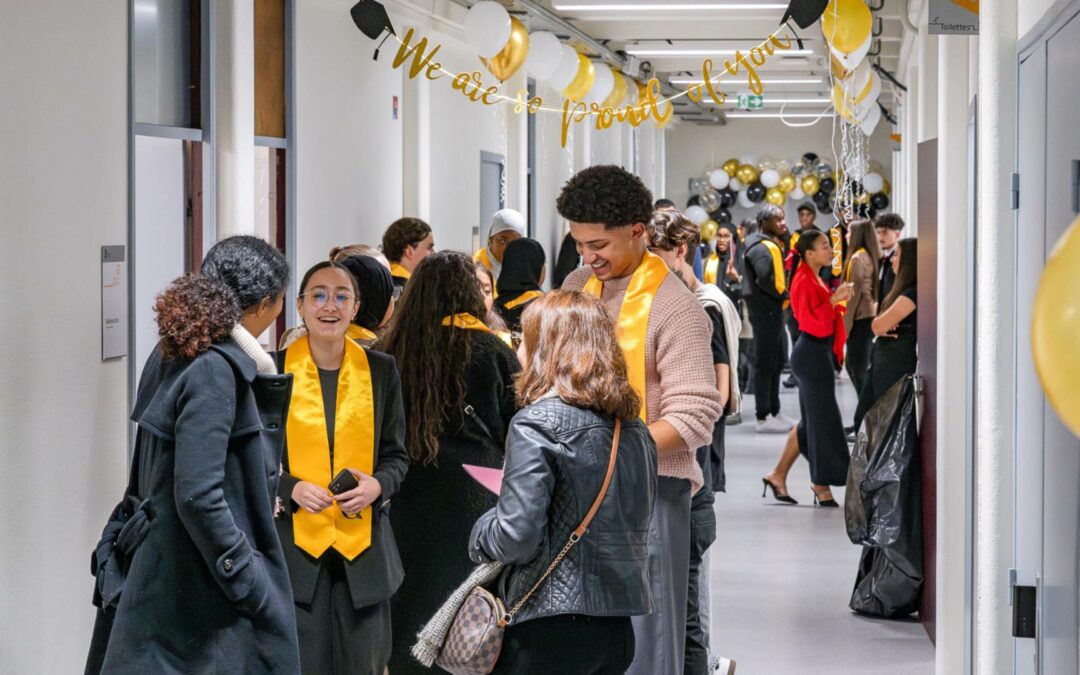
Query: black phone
343	482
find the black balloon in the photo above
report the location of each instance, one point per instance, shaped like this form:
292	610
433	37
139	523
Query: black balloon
824	207
809	159
873	213
722	216
827	186
856	187
821	199
693	201
728	197
880	201
756	192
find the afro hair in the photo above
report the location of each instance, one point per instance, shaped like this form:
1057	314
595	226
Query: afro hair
605	194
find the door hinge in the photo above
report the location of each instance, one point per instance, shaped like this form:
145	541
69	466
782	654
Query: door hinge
1015	191
1025	614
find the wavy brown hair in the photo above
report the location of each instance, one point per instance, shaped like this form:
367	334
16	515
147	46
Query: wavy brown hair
193	313
863	235
431	357
570	341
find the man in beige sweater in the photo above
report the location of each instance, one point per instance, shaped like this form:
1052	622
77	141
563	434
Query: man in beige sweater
665	335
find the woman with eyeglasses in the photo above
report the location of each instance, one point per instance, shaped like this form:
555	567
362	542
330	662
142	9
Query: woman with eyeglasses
344	459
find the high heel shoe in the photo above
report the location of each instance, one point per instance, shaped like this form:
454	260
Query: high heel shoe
818	501
786	499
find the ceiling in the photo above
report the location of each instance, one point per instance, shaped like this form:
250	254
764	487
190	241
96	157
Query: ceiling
642	30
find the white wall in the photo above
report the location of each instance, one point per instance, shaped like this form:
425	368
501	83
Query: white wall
691	148
63	187
1029	12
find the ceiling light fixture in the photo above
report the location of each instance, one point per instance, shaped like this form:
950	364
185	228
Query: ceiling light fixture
777	115
665	7
678	51
768	100
764	80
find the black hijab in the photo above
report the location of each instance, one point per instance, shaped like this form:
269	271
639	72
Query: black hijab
522	262
376	289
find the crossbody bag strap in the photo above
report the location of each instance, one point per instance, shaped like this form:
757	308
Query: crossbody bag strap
576	535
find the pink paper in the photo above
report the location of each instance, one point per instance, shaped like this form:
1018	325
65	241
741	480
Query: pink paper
486	476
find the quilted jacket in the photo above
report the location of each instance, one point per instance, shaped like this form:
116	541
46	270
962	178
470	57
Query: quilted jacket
556	459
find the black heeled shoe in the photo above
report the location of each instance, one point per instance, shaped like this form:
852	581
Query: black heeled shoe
818	501
786	499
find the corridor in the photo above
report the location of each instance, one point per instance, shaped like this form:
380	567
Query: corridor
782	575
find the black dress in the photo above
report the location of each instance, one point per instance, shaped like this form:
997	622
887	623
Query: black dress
821	429
891	359
437	505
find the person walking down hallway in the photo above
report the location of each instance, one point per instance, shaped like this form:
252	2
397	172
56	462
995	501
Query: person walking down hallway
765	291
405	243
561	465
523	271
507	225
820	433
458	390
862	273
664	334
190	573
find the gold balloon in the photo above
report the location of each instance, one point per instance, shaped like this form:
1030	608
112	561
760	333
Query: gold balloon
618	91
847	24
810	185
512	57
887	188
776	196
709	229
863	198
1055	323
731	166
583	81
838	69
788	183
747	174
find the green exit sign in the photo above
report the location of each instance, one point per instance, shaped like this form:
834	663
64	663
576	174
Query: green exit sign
749	102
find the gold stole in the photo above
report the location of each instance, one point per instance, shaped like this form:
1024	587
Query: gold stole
482	257
466	321
838	251
398	270
712	268
633	320
356	332
309	448
523	298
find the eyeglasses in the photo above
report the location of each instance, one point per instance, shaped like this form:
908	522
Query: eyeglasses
320	298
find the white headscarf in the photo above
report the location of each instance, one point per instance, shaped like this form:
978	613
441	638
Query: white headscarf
503	220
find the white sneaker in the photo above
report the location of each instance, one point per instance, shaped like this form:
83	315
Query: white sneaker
725	667
788	421
773	425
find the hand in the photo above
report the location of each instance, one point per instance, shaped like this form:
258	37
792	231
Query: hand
311	497
732	273
843	294
360	497
889	334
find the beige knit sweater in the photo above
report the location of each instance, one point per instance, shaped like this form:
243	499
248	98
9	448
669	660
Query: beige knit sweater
680	381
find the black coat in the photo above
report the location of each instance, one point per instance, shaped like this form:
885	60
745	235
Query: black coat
764	285
438	504
376	573
207	589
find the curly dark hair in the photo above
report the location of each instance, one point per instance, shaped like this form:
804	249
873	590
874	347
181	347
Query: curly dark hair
193	313
670	229
253	269
890	221
403	233
605	194
432	358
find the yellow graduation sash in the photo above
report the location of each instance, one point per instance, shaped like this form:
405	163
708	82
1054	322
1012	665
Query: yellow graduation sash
466	321
634	317
356	332
482	257
838	251
712	268
398	270
309	448
523	298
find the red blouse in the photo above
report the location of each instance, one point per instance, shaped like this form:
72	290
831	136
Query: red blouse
814	312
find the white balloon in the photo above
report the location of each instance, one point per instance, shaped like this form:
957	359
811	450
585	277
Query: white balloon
735	184
770	178
545	52
796	194
487	28
852	60
868	124
719	179
744	200
602	86
567	69
749	159
873	182
696	214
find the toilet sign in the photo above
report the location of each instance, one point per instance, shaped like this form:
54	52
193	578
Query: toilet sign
114	301
749	102
954	17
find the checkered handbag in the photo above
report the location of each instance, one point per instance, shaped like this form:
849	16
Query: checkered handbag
475	638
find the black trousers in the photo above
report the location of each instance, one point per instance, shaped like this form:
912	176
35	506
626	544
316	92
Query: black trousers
890	360
335	637
768	324
568	644
746	364
821	430
859	342
702	536
792	336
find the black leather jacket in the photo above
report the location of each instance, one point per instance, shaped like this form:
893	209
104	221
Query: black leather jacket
556	459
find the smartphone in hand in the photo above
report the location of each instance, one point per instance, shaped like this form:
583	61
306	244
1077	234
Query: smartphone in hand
343	482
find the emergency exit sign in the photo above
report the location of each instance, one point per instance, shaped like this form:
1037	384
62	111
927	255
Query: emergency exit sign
749	102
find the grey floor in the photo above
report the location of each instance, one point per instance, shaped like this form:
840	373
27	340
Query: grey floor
782	575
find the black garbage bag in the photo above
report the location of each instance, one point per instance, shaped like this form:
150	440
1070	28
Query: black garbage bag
883	506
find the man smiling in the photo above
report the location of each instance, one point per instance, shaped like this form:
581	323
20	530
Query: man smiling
665	337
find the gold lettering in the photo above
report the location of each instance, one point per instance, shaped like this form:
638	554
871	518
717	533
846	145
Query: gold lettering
780	45
718	96
568	118
420	60
757	57
694	93
489	94
652	92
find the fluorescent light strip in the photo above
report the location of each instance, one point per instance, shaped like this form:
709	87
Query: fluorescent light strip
705	52
768	100
777	115
667	7
764	80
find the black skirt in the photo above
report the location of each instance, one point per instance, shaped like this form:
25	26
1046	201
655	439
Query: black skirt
821	430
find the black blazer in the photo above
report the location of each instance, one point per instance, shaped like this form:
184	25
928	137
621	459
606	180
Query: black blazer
375	574
207	589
